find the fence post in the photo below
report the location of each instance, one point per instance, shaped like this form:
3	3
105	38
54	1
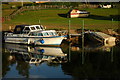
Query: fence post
45	6
33	7
62	7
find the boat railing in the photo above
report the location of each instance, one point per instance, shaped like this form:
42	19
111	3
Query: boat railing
9	34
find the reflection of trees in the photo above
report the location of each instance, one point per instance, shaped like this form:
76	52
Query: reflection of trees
23	68
96	65
6	62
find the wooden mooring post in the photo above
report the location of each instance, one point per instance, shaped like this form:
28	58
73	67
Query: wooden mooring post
69	30
83	43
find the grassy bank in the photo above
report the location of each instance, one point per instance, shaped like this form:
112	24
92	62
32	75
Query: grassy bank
99	19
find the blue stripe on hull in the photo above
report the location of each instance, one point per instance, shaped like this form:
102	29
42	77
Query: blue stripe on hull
47	44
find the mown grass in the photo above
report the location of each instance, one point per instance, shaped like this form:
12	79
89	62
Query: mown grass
99	19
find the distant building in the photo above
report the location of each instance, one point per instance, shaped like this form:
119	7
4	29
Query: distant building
106	6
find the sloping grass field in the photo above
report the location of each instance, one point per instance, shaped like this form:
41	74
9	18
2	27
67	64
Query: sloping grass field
7	12
99	19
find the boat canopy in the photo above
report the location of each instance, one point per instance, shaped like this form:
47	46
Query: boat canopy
24	29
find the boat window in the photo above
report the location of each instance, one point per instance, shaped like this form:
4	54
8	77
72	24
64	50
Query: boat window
33	34
54	33
37	27
40	34
27	28
33	28
51	33
45	34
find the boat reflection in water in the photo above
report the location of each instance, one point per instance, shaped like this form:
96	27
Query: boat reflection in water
87	61
36	55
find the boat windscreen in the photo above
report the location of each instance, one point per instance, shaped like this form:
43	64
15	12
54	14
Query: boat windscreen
37	27
27	28
32	28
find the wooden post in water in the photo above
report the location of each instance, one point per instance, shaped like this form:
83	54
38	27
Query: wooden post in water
83	34
69	43
83	43
69	30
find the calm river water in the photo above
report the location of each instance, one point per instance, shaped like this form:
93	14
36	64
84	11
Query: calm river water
94	61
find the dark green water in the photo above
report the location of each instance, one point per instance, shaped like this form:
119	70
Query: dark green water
94	61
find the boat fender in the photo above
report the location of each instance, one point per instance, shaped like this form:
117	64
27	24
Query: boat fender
41	50
42	41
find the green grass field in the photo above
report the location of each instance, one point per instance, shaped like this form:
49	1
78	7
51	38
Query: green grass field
99	19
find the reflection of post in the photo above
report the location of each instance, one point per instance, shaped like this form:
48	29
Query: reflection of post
112	54
112	47
83	43
69	52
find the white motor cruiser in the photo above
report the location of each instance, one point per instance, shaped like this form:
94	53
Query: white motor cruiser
33	34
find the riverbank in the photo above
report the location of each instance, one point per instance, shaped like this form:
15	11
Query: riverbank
99	19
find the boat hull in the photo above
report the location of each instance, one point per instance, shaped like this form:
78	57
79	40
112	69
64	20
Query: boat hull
78	15
55	40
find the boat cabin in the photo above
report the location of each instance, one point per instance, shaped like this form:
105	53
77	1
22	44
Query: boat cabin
25	29
44	33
